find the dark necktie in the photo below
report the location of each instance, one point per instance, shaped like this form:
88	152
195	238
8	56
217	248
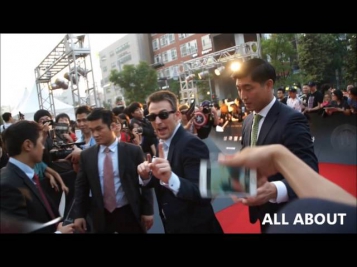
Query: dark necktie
108	182
43	196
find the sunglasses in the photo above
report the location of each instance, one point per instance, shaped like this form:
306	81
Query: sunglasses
163	115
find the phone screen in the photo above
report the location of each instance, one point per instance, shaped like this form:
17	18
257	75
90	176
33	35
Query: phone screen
221	181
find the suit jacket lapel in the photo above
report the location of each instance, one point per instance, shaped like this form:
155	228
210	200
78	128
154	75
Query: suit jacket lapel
268	122
29	183
174	141
95	175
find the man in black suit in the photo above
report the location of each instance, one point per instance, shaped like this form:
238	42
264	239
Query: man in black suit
21	194
175	173
109	170
270	123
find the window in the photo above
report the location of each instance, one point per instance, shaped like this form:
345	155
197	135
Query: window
176	71
163	41
184	35
155	44
171	38
157	58
125	59
123	54
165	57
105	69
188	48
206	42
122	47
104	58
111	54
167	73
167	39
173	54
113	65
161	73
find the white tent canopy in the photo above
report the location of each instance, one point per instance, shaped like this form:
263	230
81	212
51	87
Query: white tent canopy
28	105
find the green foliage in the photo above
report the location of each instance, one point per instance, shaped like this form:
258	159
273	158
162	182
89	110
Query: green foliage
349	66
138	82
316	56
174	86
282	55
107	105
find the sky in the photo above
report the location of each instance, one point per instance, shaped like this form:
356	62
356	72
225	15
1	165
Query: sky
22	53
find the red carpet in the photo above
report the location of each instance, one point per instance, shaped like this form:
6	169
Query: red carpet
235	219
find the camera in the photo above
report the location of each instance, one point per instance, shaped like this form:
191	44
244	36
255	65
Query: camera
61	147
140	130
206	110
206	106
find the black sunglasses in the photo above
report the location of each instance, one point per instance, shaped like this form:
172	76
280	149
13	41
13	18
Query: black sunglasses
163	115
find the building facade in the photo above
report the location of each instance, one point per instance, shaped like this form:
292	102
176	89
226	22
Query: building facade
169	50
128	50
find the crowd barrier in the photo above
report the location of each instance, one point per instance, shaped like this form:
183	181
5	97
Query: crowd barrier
334	138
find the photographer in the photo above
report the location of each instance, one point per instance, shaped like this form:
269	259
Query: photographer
149	140
64	118
43	117
81	116
126	132
205	119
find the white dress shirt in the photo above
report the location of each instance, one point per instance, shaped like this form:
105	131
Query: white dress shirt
282	192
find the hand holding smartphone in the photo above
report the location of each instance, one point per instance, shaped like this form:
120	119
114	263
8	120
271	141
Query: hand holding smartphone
221	181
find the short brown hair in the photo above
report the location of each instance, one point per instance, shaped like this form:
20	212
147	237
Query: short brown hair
162	96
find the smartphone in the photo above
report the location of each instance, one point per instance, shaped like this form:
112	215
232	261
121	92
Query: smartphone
216	180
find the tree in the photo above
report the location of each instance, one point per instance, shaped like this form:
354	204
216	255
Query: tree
138	82
107	105
174	86
281	53
316	58
349	73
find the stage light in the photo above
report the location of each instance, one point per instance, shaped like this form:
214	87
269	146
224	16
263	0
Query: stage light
203	74
235	66
219	70
59	84
190	77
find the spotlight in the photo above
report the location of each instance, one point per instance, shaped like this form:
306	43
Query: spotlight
235	66
219	70
203	74
59	84
190	77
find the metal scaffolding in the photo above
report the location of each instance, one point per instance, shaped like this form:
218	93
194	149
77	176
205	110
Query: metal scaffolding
72	52
213	60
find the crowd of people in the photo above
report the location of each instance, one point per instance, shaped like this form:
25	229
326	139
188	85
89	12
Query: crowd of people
123	156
